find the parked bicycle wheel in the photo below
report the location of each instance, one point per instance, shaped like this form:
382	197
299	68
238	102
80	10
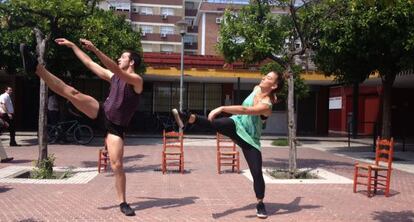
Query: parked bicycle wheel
83	134
52	134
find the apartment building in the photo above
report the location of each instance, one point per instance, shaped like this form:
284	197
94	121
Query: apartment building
157	22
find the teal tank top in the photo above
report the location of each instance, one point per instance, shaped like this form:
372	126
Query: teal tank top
249	127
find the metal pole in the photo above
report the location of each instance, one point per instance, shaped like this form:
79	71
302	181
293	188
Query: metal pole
182	71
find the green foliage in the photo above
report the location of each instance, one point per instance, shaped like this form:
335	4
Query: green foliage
251	35
357	37
44	168
301	89
280	142
72	19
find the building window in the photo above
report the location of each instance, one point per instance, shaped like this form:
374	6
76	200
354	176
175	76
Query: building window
167	11
189	21
175	96
167	48
190	39
213	96
147	47
195	97
146	11
112	8
189	5
162	97
167	30
147	29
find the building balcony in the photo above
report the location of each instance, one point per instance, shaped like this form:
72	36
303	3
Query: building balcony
192	29
160	37
191	12
193	45
159	2
136	17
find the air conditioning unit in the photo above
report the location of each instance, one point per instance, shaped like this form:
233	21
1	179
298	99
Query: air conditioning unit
218	20
164	16
144	34
163	35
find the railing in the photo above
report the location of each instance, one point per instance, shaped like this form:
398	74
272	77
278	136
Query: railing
375	133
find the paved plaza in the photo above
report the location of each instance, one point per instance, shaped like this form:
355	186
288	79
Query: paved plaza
201	194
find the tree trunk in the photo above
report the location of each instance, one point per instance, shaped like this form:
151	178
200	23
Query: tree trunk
42	122
42	130
291	121
387	83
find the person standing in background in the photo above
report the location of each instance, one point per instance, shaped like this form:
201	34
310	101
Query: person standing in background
7	113
52	109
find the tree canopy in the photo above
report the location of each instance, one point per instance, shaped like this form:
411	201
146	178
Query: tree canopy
355	38
72	19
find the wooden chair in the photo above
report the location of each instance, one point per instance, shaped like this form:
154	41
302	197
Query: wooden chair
103	159
173	152
376	176
227	154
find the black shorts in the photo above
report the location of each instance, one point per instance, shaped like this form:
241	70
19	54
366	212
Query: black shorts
109	127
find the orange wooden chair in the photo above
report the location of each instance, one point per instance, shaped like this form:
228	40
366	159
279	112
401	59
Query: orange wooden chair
103	159
376	176
172	151
227	154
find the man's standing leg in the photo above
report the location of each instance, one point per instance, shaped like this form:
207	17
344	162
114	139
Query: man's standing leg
115	146
12	131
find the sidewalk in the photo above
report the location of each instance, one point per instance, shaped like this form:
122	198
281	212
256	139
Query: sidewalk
201	194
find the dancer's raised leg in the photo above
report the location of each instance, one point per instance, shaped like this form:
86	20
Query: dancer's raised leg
84	103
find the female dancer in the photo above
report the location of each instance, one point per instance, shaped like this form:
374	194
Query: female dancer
244	127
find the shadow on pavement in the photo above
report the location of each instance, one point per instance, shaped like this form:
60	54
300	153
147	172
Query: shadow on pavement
126	160
163	203
21	161
4	189
383	216
28	142
272	208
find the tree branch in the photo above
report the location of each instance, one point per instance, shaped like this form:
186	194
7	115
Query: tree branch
278	60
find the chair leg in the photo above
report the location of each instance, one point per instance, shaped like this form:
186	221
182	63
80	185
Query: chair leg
355	178
163	164
218	163
233	162
375	181
387	183
369	182
182	163
238	163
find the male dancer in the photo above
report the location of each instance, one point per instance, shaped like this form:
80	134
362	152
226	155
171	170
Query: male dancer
117	110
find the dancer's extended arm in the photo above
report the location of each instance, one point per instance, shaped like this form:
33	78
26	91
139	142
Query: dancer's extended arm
100	71
258	109
130	78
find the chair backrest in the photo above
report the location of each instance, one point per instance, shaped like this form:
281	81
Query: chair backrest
173	140
384	151
225	143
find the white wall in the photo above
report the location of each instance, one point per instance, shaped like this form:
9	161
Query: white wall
277	123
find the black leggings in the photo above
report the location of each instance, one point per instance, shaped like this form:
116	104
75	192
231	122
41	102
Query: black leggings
253	156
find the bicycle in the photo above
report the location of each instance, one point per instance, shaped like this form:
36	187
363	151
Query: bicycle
82	134
155	123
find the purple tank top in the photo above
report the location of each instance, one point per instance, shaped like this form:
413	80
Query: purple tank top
121	103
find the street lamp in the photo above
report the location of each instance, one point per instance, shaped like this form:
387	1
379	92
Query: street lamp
182	27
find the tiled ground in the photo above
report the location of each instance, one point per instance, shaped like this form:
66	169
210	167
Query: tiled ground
200	194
